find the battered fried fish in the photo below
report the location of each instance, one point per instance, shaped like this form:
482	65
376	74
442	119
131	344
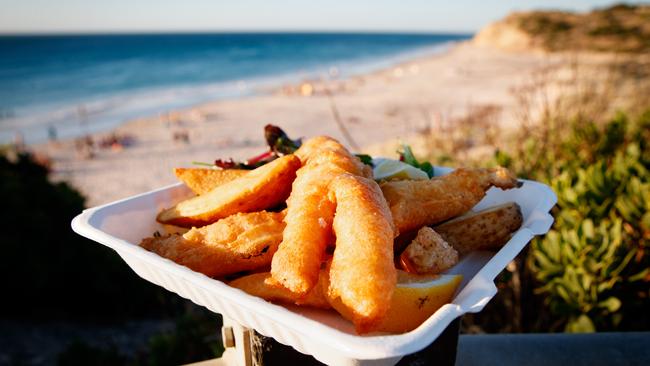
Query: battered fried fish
310	213
362	273
417	203
428	253
241	242
202	181
259	189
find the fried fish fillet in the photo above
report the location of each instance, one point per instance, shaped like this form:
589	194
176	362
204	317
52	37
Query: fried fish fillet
428	253
310	213
241	242
258	284
417	203
258	189
362	273
202	181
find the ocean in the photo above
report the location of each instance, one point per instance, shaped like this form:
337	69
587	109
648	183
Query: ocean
70	85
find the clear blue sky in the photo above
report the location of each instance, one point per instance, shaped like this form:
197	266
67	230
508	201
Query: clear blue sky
215	15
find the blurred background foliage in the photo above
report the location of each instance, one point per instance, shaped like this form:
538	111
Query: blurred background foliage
51	275
591	272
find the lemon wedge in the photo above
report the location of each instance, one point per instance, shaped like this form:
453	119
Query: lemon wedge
416	298
395	169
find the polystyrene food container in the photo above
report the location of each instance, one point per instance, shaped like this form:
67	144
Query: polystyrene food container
323	334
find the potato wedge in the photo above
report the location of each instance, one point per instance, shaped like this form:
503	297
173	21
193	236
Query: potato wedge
259	189
489	229
202	181
258	284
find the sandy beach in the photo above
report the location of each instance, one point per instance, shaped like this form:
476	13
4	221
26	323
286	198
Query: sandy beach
394	103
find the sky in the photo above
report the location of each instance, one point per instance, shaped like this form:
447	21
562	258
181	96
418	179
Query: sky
92	16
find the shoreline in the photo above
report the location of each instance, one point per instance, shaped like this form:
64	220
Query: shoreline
98	114
393	103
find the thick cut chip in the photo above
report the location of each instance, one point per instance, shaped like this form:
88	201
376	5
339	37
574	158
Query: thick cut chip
489	229
241	242
259	189
259	284
202	181
417	203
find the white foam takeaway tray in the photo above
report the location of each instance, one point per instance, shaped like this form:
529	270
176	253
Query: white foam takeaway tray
323	334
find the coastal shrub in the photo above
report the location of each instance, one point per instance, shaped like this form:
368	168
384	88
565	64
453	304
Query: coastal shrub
49	272
81	354
618	28
593	268
194	338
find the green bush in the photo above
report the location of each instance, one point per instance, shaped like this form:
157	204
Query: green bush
195	338
593	268
50	273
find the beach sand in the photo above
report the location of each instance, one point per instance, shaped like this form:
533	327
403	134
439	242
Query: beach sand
395	103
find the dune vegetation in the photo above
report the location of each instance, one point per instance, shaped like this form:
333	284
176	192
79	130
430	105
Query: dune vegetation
619	28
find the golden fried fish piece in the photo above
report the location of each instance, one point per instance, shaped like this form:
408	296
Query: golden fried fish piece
428	253
201	180
362	272
259	189
310	213
241	242
417	203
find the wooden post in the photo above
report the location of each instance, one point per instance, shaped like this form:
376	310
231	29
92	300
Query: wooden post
258	350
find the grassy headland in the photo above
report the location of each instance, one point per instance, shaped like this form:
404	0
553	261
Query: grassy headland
620	28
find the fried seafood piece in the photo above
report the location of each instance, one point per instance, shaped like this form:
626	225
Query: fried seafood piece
259	189
202	181
417	203
259	284
362	272
428	253
241	242
326	150
310	213
489	229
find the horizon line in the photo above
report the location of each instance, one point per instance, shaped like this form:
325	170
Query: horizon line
230	31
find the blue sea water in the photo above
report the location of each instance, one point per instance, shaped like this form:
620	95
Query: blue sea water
83	83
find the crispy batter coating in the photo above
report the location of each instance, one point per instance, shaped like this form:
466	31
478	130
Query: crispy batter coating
416	203
241	242
258	284
202	181
362	273
428	253
259	189
310	212
489	229
326	150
